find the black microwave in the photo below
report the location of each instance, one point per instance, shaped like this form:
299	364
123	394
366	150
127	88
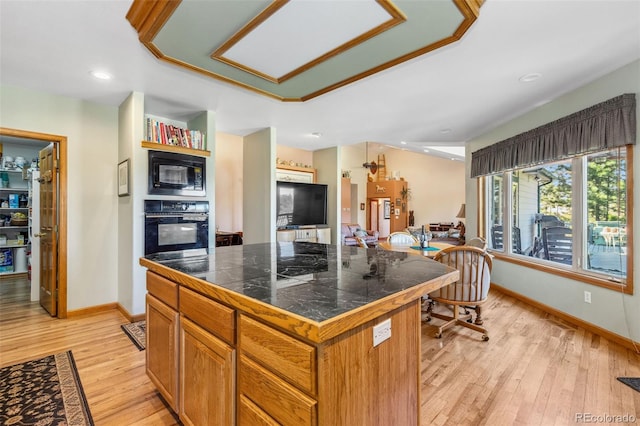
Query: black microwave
176	174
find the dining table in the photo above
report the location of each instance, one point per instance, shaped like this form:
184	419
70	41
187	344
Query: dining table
430	251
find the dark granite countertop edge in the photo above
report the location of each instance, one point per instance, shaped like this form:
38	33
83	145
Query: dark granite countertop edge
300	326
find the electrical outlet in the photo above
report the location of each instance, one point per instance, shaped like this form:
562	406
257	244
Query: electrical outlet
381	332
587	297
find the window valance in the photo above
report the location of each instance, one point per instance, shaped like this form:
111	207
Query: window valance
607	125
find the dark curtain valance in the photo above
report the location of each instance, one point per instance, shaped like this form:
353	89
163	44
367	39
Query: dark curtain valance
608	125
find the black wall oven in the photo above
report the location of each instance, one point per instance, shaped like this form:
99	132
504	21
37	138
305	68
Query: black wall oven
171	225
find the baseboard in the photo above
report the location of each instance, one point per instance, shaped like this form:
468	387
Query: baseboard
92	310
131	318
105	308
621	340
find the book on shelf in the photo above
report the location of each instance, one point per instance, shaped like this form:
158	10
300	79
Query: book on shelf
168	134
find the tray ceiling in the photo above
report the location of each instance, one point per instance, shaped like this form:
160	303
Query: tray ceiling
300	49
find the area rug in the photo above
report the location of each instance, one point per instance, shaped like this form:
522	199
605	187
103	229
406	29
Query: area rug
137	332
45	391
632	382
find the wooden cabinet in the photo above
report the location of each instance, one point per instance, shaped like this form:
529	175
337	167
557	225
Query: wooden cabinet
395	191
162	349
242	362
207	360
207	377
277	398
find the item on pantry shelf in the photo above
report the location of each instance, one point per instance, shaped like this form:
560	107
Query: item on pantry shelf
13	201
19	219
7	162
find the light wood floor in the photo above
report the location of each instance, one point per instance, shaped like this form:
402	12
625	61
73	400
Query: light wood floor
535	370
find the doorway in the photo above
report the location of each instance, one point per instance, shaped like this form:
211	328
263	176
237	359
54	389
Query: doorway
379	211
60	142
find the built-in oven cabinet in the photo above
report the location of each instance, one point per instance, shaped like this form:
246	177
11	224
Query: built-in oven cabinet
172	225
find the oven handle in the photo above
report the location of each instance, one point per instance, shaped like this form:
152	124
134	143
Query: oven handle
195	216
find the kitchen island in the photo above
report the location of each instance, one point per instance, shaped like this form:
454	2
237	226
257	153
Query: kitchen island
289	333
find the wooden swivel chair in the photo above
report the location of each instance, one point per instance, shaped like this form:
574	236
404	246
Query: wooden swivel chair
469	292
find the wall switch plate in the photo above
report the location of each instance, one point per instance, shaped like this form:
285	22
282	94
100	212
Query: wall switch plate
587	297
381	332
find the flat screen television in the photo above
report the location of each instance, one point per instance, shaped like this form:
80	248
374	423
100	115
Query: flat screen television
299	204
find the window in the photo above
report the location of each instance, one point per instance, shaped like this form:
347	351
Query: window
568	215
558	197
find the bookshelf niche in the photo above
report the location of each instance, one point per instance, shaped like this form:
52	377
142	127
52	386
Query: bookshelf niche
168	137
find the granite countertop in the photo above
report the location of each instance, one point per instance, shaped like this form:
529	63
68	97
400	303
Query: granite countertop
315	281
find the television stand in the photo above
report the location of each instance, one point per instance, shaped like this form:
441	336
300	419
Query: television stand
311	234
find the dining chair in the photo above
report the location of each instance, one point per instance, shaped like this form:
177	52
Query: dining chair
478	242
402	238
469	292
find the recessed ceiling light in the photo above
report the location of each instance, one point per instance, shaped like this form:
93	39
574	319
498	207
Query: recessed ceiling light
316	134
101	75
426	150
403	143
528	78
445	131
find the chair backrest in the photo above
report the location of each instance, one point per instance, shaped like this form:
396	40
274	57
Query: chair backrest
498	242
402	238
558	244
478	242
361	242
474	265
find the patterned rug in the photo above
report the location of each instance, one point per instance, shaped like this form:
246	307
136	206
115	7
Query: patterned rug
137	332
45	391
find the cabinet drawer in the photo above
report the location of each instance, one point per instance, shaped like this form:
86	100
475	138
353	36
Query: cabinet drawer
163	289
274	396
250	414
208	314
280	353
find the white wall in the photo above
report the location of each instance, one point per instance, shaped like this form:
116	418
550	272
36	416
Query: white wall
229	152
92	155
259	187
327	161
609	309
437	185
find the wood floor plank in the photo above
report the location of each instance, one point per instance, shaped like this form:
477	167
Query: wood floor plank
535	369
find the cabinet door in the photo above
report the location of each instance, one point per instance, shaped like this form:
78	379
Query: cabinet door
286	236
207	381
162	349
324	235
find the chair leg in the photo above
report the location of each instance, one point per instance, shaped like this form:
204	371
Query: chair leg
478	320
458	319
427	307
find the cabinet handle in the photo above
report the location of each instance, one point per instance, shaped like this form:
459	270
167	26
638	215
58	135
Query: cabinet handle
41	234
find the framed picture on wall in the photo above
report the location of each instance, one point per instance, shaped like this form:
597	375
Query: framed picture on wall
387	209
123	178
